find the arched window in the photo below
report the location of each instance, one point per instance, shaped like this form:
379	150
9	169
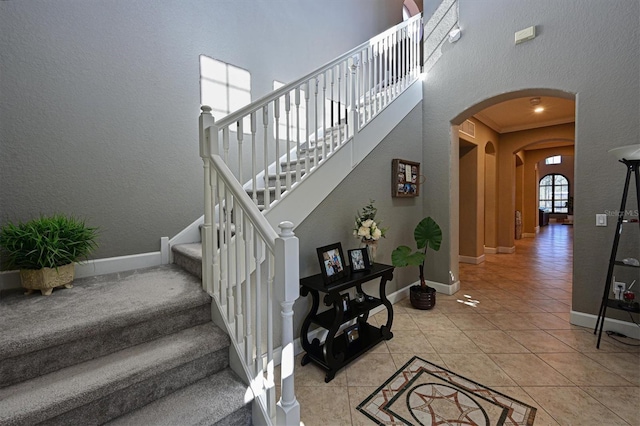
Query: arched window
554	193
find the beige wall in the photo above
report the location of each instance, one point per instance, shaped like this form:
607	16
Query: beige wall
497	177
511	143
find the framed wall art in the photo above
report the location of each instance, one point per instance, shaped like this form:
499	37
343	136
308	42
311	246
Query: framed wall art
405	178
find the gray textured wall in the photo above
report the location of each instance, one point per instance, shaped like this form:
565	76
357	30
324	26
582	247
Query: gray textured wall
585	47
100	99
333	220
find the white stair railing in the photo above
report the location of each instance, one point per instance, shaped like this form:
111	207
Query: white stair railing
246	267
298	126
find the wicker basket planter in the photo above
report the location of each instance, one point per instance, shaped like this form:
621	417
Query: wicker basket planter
422	298
46	279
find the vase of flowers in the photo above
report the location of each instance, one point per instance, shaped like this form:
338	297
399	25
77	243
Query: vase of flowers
368	230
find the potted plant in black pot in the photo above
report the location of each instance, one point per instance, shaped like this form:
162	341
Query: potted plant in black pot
427	234
45	250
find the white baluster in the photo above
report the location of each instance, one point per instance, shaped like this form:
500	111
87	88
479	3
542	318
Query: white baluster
265	154
225	145
325	138
248	333
287	291
340	125
239	240
239	137
254	171
308	131
315	127
287	109
297	101
276	125
223	241
258	373
334	125
270	379
229	206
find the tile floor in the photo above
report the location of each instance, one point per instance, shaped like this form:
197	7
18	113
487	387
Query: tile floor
515	339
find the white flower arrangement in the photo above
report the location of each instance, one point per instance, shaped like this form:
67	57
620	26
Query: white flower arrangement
366	227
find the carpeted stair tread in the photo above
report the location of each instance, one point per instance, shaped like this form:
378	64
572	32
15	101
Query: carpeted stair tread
59	392
95	305
189	257
206	402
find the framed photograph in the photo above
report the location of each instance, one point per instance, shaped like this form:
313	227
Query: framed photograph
331	262
405	180
359	259
345	302
352	333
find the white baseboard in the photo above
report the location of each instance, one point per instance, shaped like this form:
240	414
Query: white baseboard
472	260
589	320
490	250
507	249
528	235
11	279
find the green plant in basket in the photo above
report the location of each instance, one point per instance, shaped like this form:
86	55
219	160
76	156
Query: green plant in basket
46	247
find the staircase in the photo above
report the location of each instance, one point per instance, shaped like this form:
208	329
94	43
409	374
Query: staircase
134	348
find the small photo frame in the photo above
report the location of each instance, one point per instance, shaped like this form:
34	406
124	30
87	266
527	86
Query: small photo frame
359	260
332	263
405	178
346	301
352	333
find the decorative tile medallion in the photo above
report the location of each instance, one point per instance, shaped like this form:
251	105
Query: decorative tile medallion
422	393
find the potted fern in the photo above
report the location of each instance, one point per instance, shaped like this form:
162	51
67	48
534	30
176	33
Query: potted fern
426	234
45	250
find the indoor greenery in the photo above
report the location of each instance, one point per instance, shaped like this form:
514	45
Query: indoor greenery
46	242
426	234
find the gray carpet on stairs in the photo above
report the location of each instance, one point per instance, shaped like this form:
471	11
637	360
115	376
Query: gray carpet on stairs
94	305
113	344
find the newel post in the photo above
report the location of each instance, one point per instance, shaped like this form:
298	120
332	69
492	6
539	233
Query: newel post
287	275
207	137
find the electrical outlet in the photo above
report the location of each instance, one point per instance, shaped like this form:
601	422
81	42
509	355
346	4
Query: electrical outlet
618	289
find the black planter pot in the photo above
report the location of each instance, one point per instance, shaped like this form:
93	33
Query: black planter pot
422	298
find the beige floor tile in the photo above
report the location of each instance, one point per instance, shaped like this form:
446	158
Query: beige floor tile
509	321
495	342
582	340
451	341
402	359
479	368
545	321
488	306
432	321
623	364
573	406
539	341
471	322
403	322
452	306
407	341
624	401
370	370
529	370
582	370
551	305
522	306
318	407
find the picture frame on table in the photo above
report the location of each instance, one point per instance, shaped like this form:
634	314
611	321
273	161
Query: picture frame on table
331	259
359	260
352	333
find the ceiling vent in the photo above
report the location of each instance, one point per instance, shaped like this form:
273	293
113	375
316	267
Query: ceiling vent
468	128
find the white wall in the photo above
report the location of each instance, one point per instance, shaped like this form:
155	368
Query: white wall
585	47
100	99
